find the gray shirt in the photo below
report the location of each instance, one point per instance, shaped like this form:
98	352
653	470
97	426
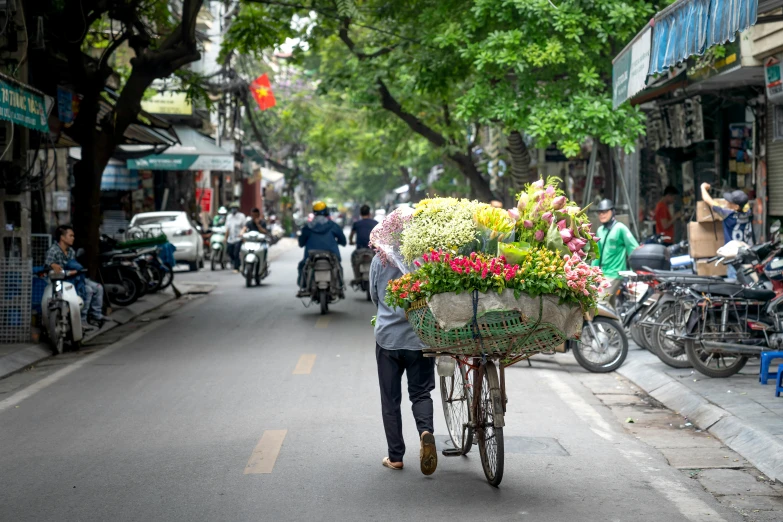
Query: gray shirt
392	329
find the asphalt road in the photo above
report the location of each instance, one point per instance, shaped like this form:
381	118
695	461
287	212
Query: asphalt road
244	406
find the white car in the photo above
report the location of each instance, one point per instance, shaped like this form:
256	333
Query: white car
180	232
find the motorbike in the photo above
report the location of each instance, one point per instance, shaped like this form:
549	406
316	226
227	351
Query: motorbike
61	312
603	345
254	255
364	256
217	248
724	324
121	278
323	277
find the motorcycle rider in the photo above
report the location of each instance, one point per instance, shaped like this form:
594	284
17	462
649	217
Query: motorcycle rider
235	224
256	223
220	219
615	242
61	257
360	236
320	234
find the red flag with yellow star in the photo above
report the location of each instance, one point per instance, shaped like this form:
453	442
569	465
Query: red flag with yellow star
262	92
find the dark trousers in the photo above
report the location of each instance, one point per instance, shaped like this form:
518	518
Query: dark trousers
420	371
233	254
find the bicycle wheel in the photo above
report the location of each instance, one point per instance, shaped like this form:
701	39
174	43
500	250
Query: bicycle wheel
455	392
490	437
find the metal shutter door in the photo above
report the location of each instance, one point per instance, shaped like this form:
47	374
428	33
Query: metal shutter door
774	162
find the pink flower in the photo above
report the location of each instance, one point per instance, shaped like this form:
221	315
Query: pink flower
559	202
514	214
561	224
417	264
527	223
523	199
566	235
539	235
548	217
538	184
550	190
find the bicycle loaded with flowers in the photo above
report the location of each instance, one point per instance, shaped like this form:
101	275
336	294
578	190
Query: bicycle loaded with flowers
484	280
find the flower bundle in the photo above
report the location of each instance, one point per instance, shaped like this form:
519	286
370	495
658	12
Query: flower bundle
541	272
386	236
440	223
547	218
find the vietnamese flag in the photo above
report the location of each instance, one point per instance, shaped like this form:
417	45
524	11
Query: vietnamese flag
262	92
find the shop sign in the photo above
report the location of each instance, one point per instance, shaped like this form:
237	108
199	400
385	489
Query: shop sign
21	105
772	74
168	103
183	162
204	199
630	68
67	105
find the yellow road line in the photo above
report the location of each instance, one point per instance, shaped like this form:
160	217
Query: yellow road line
305	364
264	456
323	322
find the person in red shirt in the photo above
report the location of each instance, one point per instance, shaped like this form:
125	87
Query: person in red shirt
664	219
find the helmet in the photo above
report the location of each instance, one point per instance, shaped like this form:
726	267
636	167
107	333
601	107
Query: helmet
235	204
320	209
605	204
222	211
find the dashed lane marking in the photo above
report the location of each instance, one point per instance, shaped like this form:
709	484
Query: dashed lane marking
265	454
322	322
305	364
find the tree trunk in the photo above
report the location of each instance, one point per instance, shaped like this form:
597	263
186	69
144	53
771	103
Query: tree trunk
520	161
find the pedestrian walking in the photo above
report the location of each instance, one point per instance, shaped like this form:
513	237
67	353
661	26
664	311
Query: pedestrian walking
398	350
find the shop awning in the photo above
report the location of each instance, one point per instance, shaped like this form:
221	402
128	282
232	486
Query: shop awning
685	28
195	152
118	177
689	27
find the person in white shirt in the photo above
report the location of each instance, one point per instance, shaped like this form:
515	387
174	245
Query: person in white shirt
235	223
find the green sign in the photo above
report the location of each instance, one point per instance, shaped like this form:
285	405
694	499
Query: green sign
630	68
22	106
183	162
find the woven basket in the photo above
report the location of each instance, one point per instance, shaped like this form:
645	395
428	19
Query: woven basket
508	334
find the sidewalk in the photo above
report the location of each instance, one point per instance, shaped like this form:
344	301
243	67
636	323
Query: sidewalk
15	357
745	415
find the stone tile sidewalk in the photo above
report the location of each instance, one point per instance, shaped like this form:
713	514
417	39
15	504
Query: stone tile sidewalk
744	414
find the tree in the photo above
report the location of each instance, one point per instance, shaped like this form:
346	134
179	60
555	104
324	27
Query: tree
446	67
162	38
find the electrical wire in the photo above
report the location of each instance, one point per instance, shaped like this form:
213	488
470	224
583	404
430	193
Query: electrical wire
10	141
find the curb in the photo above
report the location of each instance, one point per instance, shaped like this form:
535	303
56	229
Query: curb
30	354
757	446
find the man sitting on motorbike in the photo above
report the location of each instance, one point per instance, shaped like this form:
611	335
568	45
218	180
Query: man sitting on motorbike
320	234
235	223
256	223
615	242
61	257
360	235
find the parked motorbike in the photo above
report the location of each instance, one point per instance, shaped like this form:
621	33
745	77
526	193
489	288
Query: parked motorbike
217	248
603	345
120	275
61	312
323	278
254	255
364	256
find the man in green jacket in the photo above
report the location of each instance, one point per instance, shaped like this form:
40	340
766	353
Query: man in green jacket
615	242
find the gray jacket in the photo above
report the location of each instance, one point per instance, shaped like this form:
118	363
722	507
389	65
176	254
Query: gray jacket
392	329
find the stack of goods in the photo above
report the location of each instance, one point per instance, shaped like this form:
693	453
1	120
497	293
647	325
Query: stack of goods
484	280
705	237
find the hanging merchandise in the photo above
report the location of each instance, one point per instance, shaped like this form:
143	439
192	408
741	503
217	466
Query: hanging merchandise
741	152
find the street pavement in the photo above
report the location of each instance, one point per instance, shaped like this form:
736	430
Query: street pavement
244	405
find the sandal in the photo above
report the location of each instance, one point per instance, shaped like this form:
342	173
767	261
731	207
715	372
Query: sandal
429	453
391	465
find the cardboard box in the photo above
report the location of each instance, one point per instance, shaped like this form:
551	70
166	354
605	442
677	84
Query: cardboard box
709	269
705	239
705	213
